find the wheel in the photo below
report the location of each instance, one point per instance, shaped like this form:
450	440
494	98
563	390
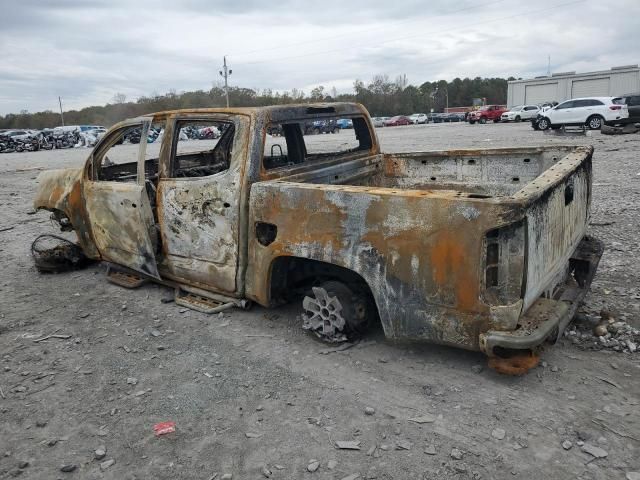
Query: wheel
335	311
595	122
335	130
471	122
497	120
518	118
544	123
482	121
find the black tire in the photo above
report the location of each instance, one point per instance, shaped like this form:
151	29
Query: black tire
518	119
544	123
595	122
482	121
471	122
497	120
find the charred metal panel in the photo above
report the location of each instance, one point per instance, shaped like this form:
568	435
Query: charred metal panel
200	219
420	252
62	190
122	223
557	218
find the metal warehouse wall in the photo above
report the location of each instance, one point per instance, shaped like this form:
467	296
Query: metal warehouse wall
564	87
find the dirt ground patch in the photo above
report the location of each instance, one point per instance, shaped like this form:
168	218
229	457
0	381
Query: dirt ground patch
251	393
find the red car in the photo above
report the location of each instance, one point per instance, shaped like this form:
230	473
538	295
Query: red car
487	113
397	121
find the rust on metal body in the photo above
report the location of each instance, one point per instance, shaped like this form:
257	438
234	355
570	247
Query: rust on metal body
456	247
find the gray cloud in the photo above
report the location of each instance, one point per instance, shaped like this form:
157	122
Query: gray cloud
87	52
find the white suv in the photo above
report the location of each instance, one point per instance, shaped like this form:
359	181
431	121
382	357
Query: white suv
521	112
592	112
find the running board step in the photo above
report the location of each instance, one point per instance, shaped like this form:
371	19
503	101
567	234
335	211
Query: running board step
124	279
199	303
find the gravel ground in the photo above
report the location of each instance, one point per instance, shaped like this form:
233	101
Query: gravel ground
250	393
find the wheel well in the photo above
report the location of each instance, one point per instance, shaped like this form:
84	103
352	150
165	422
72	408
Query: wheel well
291	276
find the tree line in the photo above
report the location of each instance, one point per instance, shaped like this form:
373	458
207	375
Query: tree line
381	96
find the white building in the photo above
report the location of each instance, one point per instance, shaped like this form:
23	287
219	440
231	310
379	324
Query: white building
566	85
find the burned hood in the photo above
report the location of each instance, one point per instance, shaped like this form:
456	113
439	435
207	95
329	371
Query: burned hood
55	187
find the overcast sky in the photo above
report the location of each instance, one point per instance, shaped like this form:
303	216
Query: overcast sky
87	51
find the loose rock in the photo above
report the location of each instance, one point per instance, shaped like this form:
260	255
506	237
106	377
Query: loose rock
594	451
456	454
313	466
498	433
266	472
430	450
226	476
70	467
369	410
100	452
331	464
567	445
106	464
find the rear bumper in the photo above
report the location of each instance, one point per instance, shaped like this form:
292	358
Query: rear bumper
547	318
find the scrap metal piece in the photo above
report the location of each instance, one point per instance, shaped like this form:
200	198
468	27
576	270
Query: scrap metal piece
52	253
323	316
200	303
124	279
516	364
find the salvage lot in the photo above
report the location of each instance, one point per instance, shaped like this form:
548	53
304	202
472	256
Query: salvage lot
250	390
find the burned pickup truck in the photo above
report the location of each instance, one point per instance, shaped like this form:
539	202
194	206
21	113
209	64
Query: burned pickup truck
480	249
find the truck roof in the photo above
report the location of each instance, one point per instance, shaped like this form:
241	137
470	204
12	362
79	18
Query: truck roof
277	112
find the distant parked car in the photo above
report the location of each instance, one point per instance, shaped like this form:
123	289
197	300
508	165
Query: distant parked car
417	118
344	123
397	121
437	117
632	101
486	113
520	112
378	121
592	112
457	117
19	134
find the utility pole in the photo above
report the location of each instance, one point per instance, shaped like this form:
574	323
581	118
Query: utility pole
225	73
548	65
61	115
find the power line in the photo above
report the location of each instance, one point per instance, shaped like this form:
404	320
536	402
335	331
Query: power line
498	19
365	30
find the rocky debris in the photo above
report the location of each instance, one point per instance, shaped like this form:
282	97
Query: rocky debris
567	444
265	471
348	444
68	468
594	451
23	465
107	463
403	445
426	418
353	476
132	381
100	452
226	476
477	368
313	465
632	476
603	332
456	454
331	464
430	450
369	410
498	433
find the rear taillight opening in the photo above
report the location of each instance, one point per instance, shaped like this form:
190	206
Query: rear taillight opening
615	107
504	264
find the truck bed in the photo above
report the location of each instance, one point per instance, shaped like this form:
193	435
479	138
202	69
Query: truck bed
472	173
